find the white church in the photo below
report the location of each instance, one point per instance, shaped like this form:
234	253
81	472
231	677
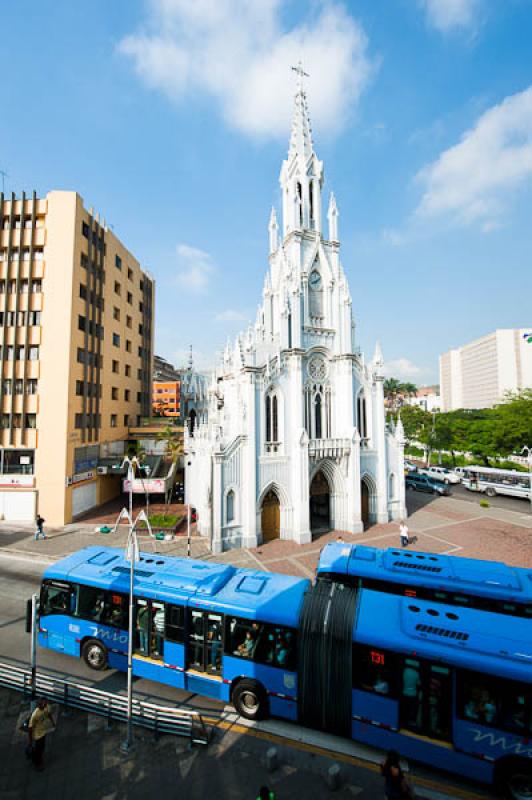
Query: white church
294	441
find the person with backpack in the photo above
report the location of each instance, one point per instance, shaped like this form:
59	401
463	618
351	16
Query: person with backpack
395	783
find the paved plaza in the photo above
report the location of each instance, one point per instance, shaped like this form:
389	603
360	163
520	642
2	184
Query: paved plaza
442	525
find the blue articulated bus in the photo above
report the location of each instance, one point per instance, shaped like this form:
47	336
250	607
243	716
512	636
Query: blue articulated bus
464	582
448	686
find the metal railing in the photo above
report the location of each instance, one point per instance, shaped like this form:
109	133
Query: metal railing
159	719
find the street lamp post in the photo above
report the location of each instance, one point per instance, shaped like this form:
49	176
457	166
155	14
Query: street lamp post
528	450
131	555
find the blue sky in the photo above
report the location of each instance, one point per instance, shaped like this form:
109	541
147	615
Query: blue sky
172	119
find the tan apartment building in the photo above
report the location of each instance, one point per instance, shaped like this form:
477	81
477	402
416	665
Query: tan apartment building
76	345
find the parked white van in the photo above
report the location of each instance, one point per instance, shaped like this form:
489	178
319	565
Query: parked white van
441	474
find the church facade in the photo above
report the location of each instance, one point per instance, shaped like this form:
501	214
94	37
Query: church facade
295	441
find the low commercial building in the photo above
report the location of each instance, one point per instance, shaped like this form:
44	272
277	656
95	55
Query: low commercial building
76	345
166	399
427	397
478	374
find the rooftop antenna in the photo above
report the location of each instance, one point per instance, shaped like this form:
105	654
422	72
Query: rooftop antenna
4	176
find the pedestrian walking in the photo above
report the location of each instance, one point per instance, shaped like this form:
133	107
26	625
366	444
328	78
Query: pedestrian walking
265	794
39	529
396	786
41	723
403	533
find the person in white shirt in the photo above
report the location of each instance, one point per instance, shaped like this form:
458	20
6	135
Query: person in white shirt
403	532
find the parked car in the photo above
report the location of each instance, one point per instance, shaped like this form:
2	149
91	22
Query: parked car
441	474
422	483
410	467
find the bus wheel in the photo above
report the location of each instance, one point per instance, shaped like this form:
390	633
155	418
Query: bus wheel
94	654
249	699
490	491
518	783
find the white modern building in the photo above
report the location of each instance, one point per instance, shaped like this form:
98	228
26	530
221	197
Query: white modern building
427	397
478	374
295	440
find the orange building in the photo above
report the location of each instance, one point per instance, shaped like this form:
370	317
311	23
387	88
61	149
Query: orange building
166	398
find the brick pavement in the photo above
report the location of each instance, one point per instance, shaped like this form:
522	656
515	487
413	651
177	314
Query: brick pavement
442	525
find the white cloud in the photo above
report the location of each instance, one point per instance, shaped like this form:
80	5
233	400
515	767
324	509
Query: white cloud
230	315
447	15
238	52
402	369
471	180
195	268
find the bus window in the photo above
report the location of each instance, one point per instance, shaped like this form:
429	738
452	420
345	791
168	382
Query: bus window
439	692
411	695
142	618
175	623
495	704
242	636
157	630
373	670
109	608
205	642
425	698
56	598
272	645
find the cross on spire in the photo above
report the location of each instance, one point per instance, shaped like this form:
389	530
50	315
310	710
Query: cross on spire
300	72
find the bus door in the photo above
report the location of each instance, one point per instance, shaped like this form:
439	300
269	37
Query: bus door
148	638
204	649
425	699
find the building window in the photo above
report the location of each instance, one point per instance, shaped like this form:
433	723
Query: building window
141	329
126	395
116	313
34	317
17	420
4	421
19	385
118	288
129	298
141	307
6	386
272	420
115	366
31	386
317	416
127	370
30	421
113	420
33	353
129	321
24	286
82	323
118	262
83	291
139	397
230	507
85	230
126	420
361	416
130	274
114	393
36	286
141	352
391	486
79	388
78	421
21	353
128	346
116	339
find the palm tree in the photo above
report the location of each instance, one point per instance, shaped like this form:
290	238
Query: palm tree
391	390
174	447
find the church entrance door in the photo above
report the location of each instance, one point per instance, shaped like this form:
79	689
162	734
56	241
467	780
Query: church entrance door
364	498
270	517
320	518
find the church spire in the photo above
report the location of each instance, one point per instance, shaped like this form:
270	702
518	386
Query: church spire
301	133
302	173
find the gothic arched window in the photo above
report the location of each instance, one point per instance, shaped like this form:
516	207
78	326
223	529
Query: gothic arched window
317	417
300	203
275	425
268	418
311	202
391	486
361	415
230	506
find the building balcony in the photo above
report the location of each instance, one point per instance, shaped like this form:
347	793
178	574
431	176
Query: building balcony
328	448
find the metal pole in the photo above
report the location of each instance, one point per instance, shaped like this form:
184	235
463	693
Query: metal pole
33	651
188	530
128	743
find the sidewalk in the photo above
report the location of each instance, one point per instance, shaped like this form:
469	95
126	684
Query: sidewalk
83	761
